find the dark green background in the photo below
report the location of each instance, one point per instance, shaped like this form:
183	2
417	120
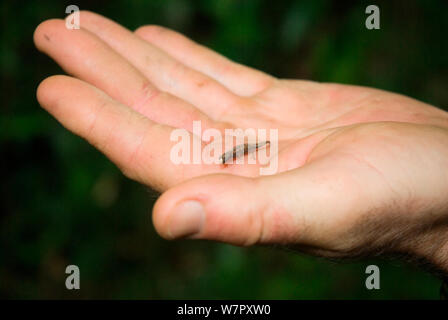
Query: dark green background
63	203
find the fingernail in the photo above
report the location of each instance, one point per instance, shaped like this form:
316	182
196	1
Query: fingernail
186	219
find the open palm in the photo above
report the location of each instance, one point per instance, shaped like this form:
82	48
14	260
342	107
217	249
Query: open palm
358	167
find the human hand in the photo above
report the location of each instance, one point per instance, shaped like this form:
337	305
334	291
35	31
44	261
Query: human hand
359	170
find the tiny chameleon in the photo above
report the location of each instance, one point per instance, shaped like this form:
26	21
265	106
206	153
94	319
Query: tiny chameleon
241	150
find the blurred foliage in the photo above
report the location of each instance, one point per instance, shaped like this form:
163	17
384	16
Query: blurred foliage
64	203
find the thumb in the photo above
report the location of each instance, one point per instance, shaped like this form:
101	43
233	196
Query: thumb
219	207
284	209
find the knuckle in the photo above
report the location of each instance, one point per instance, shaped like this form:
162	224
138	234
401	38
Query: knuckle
204	83
150	30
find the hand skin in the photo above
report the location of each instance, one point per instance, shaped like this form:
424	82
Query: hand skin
361	171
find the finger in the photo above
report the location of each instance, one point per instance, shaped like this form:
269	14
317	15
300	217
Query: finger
137	145
83	55
240	79
302	207
166	73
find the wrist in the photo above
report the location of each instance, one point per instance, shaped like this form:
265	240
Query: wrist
432	249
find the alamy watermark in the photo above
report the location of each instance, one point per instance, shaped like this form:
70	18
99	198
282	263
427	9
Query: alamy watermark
72	21
224	150
73	280
373	280
373	20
